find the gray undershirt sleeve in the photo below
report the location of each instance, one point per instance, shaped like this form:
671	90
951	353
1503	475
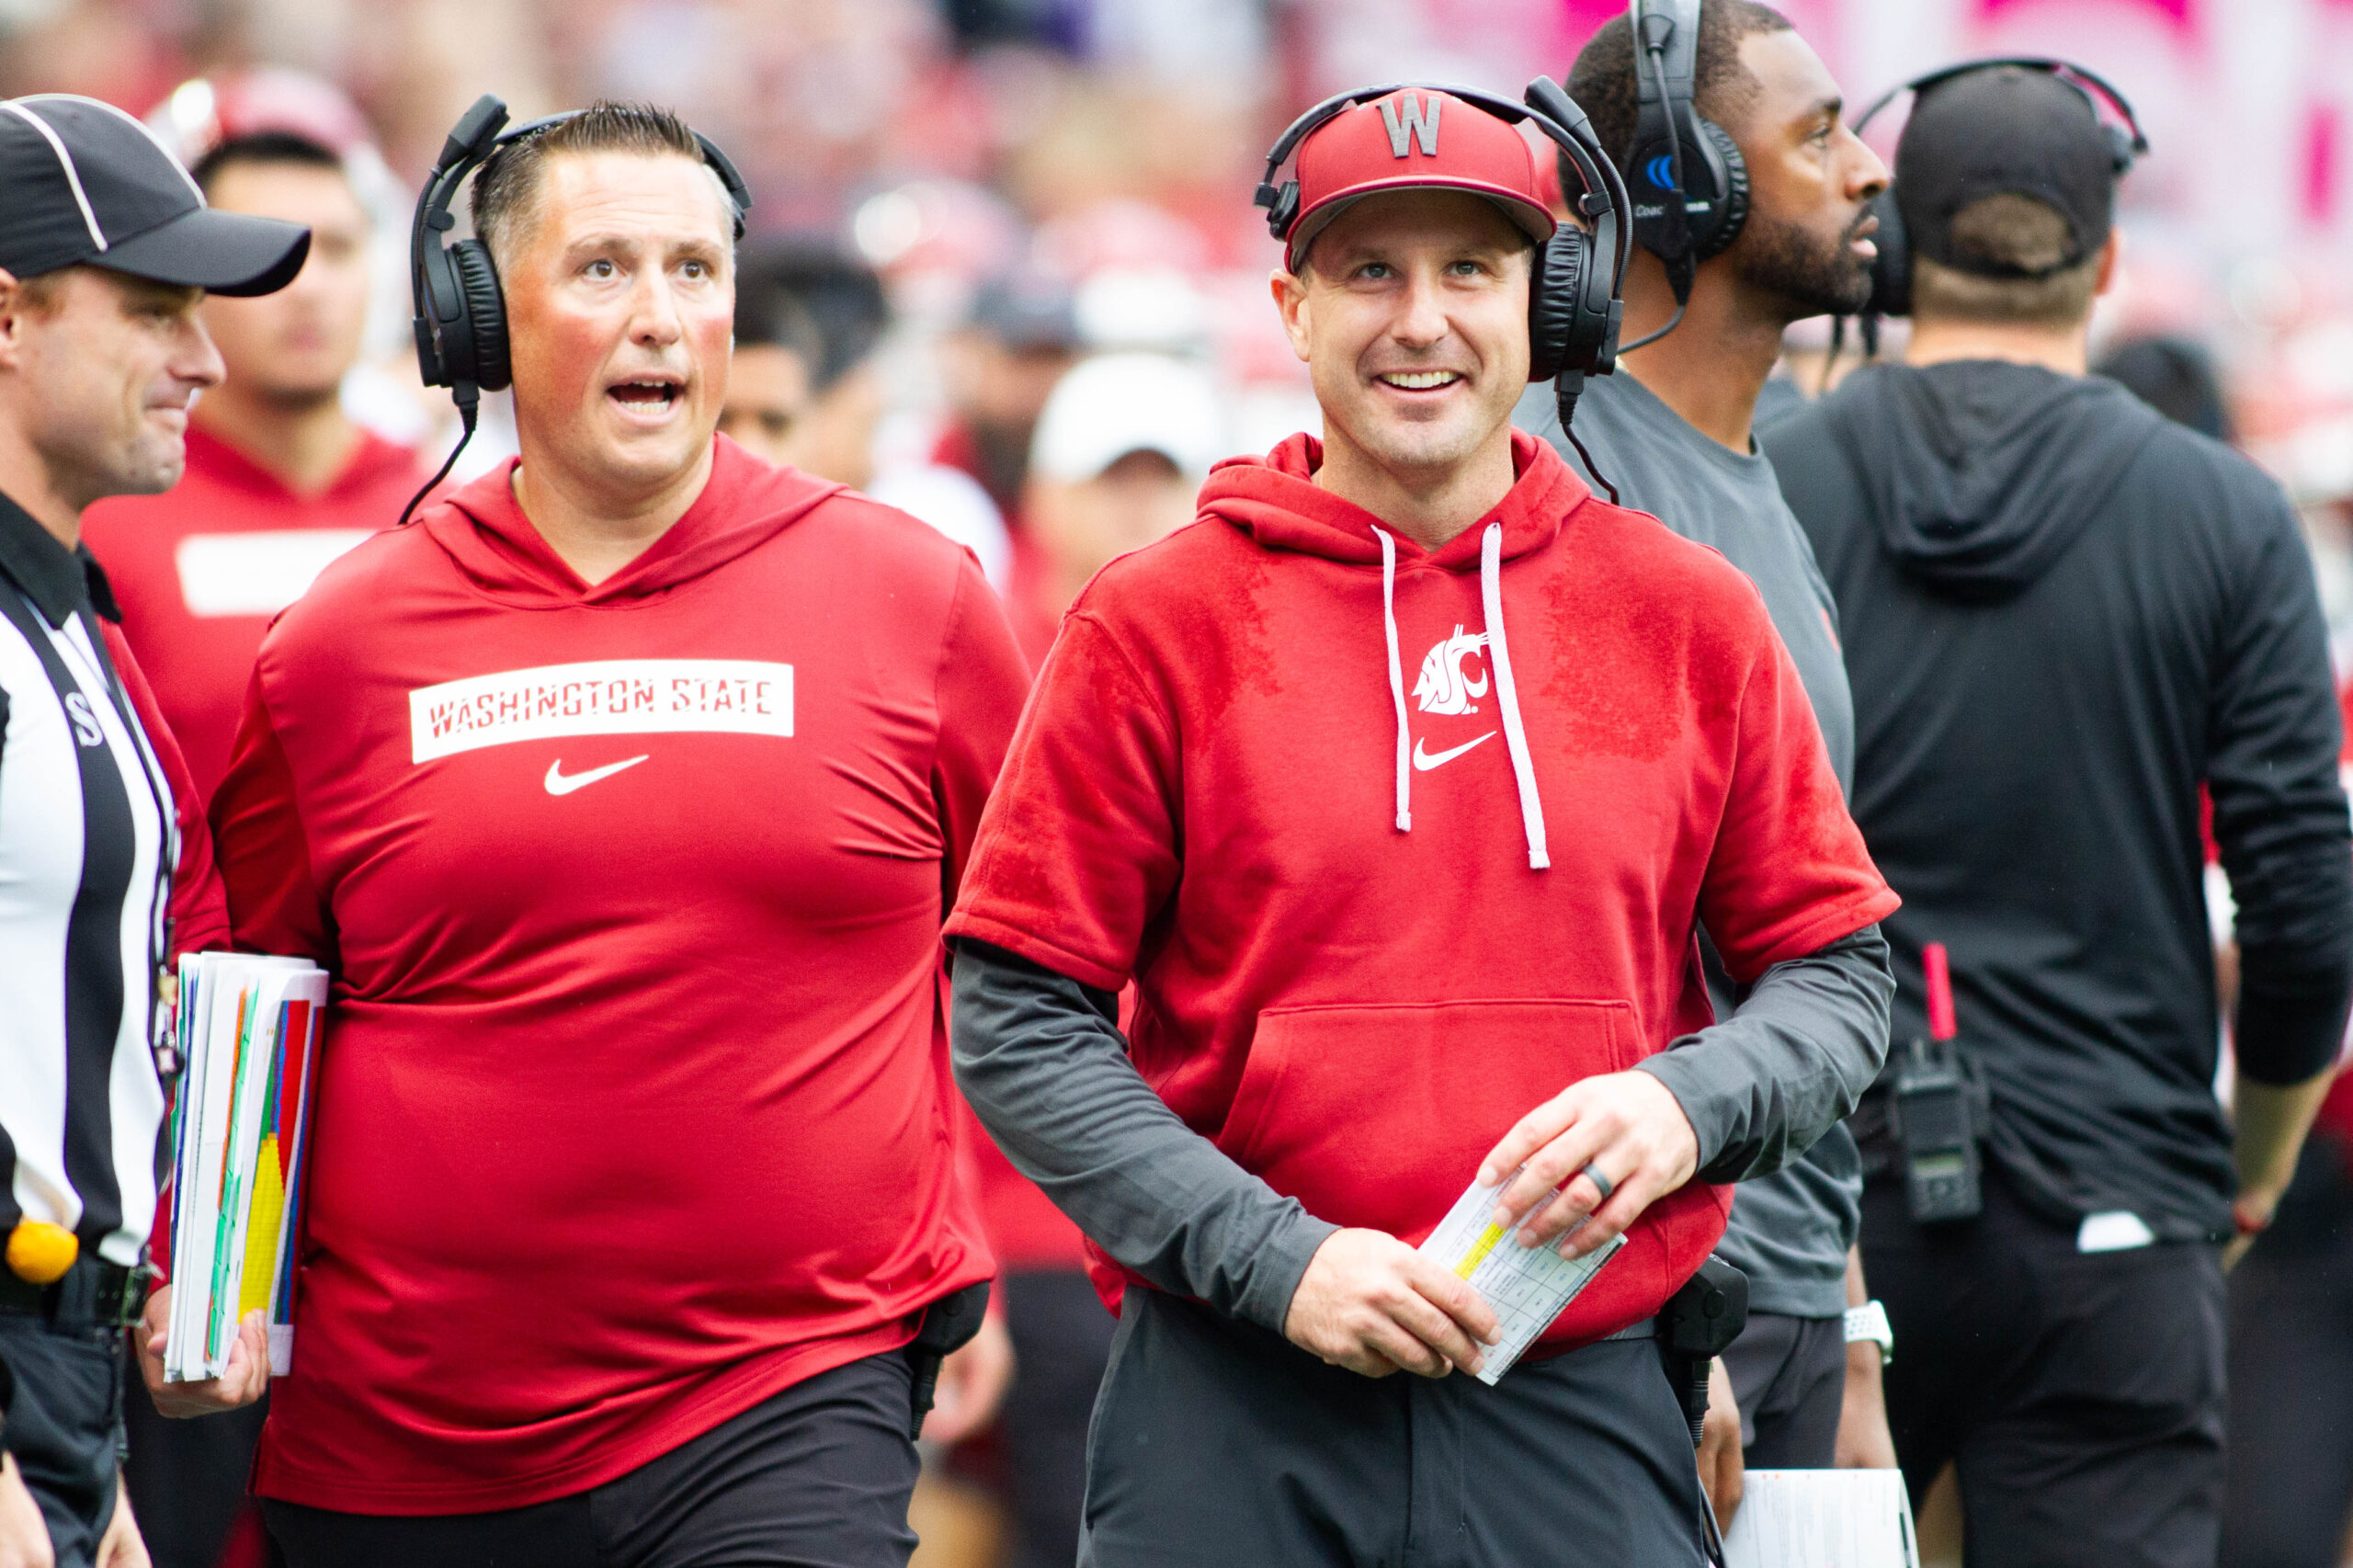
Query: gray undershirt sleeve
1040	1058
1793	1059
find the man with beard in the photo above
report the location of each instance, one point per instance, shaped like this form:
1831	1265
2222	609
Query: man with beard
1706	303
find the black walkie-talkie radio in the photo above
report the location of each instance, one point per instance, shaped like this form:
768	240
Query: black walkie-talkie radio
1935	1112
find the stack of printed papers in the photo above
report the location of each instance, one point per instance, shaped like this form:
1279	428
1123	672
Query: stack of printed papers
1822	1518
1526	1287
249	1040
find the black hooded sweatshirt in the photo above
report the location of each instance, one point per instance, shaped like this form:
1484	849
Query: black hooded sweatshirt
2062	614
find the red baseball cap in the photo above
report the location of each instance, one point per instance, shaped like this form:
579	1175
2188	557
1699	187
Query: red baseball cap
1415	138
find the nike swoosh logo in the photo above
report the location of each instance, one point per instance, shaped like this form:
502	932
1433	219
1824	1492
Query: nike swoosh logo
1424	761
559	785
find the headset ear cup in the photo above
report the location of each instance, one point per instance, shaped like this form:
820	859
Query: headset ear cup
1732	208
1563	333
2120	148
485	311
1891	268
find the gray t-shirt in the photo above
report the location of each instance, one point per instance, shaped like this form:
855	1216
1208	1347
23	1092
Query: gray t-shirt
1790	1231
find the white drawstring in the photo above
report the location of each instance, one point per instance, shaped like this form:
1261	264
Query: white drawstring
1396	681
1523	767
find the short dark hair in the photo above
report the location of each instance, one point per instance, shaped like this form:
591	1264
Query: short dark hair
1602	80
805	295
508	181
2021	244
2175	376
264	147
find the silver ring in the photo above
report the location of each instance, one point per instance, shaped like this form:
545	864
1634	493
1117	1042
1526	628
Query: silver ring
1602	1184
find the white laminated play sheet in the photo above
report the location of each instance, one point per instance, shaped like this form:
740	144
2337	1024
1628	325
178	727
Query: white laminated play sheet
1821	1518
1527	1287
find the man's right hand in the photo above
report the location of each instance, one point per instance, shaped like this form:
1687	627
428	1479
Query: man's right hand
1374	1305
1722	1471
24	1534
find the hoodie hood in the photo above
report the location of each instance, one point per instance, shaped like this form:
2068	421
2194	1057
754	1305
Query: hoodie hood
1276	501
1982	474
744	504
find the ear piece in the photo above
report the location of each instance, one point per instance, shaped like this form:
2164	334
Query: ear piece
2122	145
1722	225
1891	268
1283	211
486	316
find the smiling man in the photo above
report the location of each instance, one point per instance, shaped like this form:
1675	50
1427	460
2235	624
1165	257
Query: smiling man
621	793
1384	949
107	249
1670	430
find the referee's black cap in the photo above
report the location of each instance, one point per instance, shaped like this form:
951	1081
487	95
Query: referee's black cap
2005	130
85	182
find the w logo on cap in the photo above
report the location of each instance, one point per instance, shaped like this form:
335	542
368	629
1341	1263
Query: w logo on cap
1410	117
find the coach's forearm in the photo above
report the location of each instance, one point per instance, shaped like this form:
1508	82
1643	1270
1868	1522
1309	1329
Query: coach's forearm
1762	1086
2271	1122
1040	1058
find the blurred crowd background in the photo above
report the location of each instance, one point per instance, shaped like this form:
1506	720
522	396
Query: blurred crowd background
1108	147
1004	270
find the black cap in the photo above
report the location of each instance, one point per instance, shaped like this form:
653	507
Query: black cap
2006	131
87	183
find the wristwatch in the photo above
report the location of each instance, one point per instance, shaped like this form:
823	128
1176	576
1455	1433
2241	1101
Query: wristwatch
1870	1322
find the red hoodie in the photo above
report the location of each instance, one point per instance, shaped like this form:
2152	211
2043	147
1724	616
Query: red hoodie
1370	934
634	1107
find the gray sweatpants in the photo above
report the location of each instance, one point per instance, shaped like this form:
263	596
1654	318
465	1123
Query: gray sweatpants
1217	1444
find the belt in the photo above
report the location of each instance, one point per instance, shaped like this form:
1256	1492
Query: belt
1646	1329
94	1291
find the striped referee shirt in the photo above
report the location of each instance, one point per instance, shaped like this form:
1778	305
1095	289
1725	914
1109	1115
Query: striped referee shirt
88	845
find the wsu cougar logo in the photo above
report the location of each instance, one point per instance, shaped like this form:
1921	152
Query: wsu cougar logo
1443	687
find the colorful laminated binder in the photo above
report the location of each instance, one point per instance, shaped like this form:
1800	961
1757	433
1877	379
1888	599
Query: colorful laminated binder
249	1030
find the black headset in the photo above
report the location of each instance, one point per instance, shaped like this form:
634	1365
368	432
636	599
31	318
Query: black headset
1573	305
1693	181
1892	271
460	320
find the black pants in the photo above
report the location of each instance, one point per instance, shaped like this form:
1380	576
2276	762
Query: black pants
188	1479
1217	1444
64	1421
1790	1375
1061	1339
2079	1394
817	1476
2291	1376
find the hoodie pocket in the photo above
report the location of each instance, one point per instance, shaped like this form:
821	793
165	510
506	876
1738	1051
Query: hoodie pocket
1379	1114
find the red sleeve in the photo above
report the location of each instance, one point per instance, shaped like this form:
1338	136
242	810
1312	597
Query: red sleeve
199	914
1788	873
978	691
1078	849
274	905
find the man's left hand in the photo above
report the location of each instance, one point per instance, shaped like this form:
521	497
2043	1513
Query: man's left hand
972	1382
122	1546
244	1380
1864	1440
1627	1126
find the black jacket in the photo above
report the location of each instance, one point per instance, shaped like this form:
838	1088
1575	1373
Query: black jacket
2061	615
